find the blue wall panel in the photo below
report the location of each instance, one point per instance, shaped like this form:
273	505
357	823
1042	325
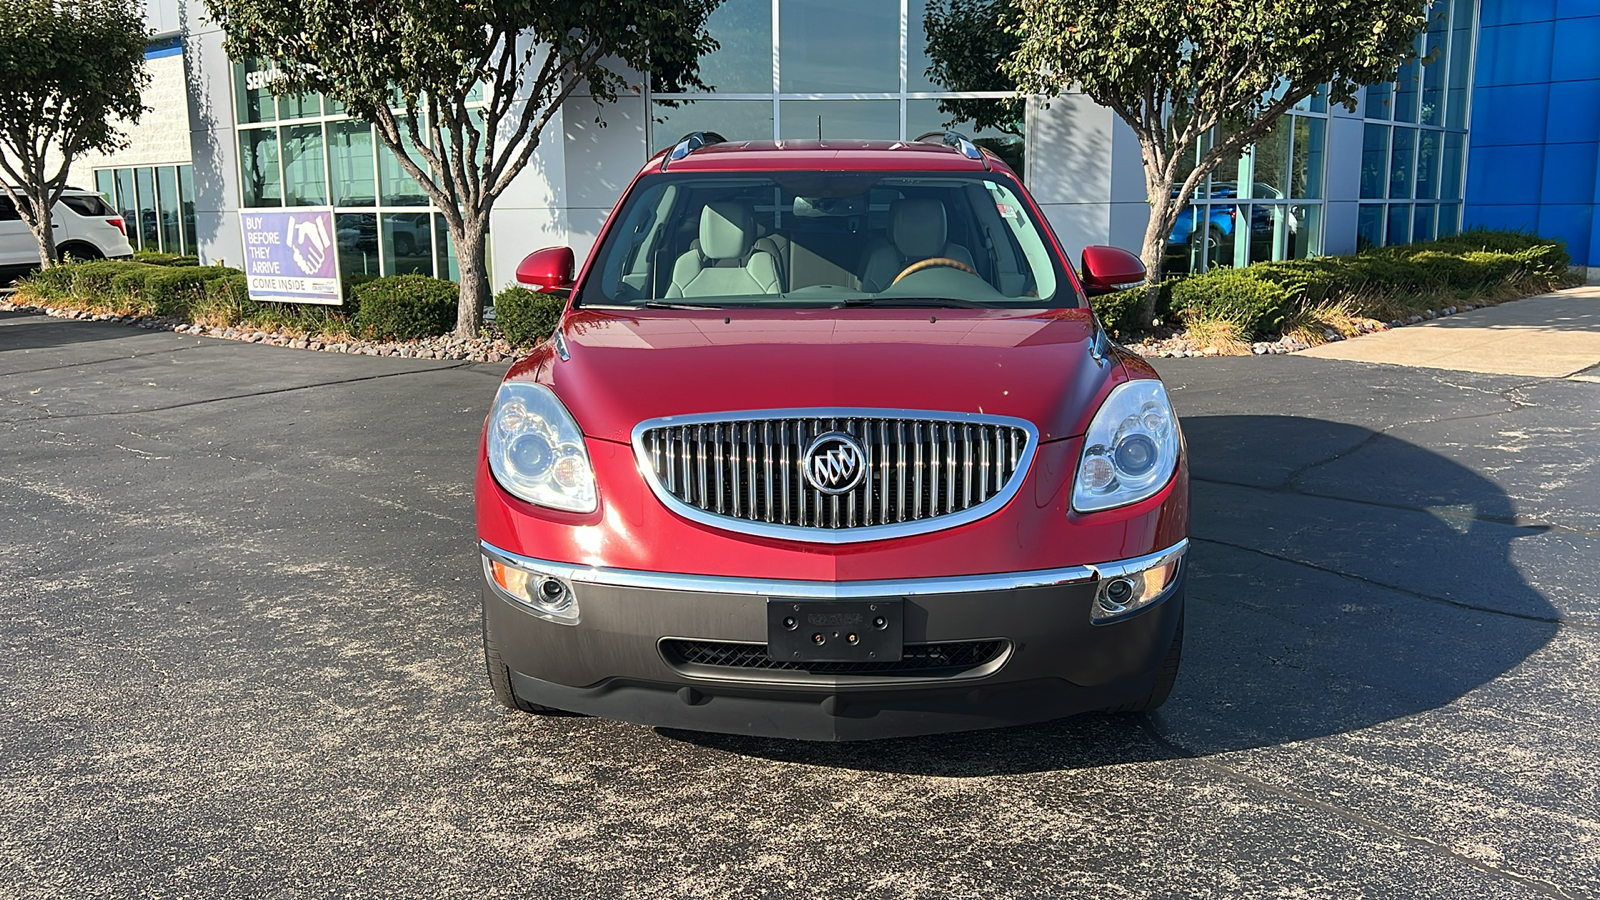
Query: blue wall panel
1534	147
1507	12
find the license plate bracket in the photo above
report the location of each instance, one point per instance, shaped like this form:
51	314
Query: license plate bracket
835	630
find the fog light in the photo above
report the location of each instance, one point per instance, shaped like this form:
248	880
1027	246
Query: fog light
1131	585
544	595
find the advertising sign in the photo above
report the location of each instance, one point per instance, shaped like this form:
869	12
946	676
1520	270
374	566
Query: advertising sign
289	255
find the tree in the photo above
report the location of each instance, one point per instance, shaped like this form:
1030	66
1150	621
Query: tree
1173	71
461	92
966	50
69	70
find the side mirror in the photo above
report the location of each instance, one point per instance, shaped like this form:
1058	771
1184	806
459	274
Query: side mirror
1107	269
548	271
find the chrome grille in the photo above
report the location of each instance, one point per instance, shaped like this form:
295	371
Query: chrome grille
920	469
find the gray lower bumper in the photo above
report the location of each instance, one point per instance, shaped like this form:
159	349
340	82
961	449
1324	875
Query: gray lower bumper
611	664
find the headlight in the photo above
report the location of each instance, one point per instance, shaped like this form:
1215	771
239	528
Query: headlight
1130	450
536	450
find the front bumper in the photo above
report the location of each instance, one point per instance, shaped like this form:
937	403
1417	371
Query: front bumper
618	660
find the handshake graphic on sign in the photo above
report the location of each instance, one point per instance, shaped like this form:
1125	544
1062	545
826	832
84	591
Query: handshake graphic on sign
309	242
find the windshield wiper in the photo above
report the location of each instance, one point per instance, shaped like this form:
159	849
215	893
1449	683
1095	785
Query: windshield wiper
662	304
946	302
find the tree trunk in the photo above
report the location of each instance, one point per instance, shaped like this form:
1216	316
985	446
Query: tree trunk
1153	253
43	233
471	256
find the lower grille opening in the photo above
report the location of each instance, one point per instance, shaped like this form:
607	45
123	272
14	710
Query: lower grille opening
918	659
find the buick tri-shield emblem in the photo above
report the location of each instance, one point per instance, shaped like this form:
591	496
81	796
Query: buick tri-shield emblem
835	463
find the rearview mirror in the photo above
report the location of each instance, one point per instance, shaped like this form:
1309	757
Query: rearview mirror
548	271
1107	269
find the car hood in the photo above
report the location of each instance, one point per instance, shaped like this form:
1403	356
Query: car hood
622	368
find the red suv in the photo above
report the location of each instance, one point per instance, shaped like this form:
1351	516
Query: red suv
828	444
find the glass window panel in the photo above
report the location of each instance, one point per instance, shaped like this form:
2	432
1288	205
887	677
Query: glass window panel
865	119
917	51
186	191
252	97
1433	72
396	186
736	120
1272	229
170	209
1378	99
304	179
127	203
149	232
1317	102
445	262
299	106
1374	161
350	163
743	62
1428	164
1401	163
1422	222
258	168
105	181
1450	166
1399	229
1310	144
839	46
1369	226
1306	239
1449	219
923	116
1232	171
407	243
1408	86
1272	161
357	237
1460	63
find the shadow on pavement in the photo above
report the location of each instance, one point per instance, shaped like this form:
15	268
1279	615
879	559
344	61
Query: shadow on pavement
37	331
1309	613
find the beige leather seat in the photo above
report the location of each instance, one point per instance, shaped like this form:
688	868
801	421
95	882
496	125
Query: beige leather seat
724	264
917	231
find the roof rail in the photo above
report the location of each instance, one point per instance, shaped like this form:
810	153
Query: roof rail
691	142
956	141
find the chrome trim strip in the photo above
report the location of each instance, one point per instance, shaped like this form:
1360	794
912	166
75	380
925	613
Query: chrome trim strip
817	535
829	590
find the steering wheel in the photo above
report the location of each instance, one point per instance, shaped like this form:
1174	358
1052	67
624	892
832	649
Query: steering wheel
929	263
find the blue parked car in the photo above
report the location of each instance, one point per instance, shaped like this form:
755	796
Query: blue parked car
1220	221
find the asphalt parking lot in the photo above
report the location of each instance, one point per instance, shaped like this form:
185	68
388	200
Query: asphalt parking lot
239	657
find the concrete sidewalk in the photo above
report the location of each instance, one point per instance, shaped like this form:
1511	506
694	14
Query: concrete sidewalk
1554	335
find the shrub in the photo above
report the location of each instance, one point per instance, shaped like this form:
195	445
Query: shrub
405	307
172	290
46	286
165	259
91	281
1119	311
527	317
1235	296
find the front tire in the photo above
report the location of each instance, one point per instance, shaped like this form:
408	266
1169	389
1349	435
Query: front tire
500	678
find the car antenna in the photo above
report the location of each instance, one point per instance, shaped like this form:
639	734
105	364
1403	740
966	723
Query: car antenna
819	128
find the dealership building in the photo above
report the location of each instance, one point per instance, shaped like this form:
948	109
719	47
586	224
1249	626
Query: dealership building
1500	128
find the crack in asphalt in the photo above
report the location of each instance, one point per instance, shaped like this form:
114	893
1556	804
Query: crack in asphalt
1179	751
266	393
1373	582
94	362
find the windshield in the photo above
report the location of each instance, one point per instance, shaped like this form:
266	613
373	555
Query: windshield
827	239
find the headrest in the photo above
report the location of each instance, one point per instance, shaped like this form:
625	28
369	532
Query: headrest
726	229
917	227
